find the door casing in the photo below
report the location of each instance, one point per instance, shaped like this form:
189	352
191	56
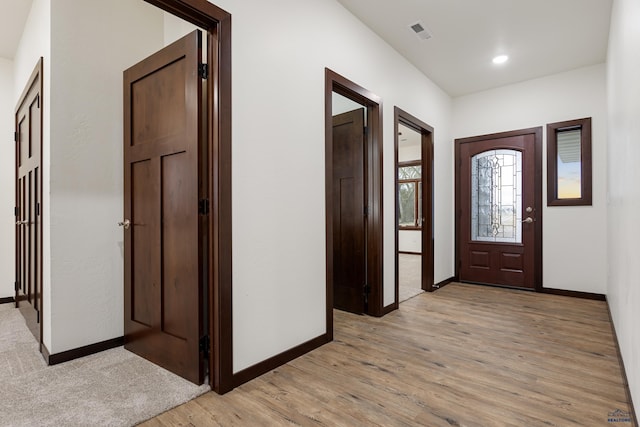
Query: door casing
537	134
373	140
427	233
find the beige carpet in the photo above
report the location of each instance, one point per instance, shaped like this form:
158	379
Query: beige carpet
112	388
409	273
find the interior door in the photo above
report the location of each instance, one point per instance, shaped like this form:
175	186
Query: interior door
349	229
498	210
28	137
163	176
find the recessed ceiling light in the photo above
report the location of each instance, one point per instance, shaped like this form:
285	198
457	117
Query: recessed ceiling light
500	59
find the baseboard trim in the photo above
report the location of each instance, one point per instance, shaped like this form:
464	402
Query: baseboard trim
574	294
7	300
76	353
444	283
410	253
627	390
272	363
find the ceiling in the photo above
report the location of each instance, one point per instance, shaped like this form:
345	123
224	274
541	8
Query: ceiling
13	15
541	37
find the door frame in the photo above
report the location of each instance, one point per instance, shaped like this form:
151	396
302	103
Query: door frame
537	134
334	82
217	24
37	76
427	233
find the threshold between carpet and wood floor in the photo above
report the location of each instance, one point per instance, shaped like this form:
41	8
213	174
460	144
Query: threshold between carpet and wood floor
111	388
464	355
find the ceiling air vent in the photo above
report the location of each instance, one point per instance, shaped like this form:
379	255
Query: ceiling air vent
420	30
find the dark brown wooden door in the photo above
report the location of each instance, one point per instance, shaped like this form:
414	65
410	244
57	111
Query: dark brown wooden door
28	136
349	222
163	167
498	210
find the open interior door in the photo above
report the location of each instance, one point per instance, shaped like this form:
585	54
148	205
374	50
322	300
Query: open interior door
164	155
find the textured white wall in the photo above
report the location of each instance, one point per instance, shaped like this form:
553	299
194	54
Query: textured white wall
623	69
280	50
7	178
93	41
574	238
35	43
410	241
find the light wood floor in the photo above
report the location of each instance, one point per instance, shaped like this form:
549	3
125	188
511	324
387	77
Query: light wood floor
462	356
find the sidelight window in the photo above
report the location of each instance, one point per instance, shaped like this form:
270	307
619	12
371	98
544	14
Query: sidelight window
569	163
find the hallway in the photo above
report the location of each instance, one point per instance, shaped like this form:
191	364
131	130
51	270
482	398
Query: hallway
464	355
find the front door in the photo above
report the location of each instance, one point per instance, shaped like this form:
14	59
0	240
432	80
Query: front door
349	227
28	136
163	206
499	209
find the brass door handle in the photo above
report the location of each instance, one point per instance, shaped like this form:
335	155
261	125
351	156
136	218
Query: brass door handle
126	223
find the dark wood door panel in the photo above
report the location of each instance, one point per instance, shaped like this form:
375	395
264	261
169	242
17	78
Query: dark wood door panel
28	190
145	243
179	251
349	232
164	155
495	260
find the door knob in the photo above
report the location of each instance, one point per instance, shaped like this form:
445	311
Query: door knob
126	223
528	220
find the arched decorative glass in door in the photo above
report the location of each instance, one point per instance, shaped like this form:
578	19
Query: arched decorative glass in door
496	196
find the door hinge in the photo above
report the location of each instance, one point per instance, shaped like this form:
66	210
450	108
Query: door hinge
203	71
366	211
16	286
203	207
205	345
38	209
15	137
16	211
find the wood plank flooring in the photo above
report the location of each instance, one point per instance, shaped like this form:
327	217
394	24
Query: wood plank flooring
465	355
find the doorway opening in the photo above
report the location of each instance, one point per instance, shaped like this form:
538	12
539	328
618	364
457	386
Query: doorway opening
499	209
216	205
414	206
353	159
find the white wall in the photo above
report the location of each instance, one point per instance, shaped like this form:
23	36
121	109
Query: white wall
623	294
93	41
278	162
7	177
175	28
410	241
35	43
574	238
